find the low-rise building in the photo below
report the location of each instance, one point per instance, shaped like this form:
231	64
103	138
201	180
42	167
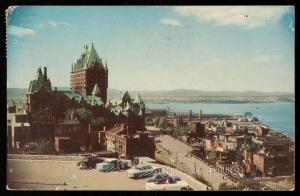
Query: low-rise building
71	137
240	140
120	140
275	149
18	130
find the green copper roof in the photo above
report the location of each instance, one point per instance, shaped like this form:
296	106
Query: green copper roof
116	110
78	97
87	56
96	90
92	54
93	100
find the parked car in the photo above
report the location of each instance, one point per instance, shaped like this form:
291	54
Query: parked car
142	171
161	176
106	154
169	184
89	162
111	165
209	188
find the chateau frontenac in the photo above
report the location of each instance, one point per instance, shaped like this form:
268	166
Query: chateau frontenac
81	118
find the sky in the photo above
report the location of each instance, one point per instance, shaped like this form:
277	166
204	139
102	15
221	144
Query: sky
209	48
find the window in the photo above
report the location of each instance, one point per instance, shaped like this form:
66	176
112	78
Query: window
21	118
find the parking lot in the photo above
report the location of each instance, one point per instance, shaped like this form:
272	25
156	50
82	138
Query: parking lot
65	175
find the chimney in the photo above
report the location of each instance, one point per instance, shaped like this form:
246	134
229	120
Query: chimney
45	72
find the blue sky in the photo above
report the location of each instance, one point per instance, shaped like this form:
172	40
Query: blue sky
158	47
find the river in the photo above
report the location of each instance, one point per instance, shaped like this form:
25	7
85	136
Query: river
279	116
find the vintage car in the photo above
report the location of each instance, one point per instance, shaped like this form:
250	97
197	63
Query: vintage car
89	162
111	165
157	177
169	185
142	171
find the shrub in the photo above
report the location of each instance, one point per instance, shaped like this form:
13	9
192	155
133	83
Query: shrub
45	146
223	186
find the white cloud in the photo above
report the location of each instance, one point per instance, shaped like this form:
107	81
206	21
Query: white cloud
19	31
171	22
53	24
245	16
265	58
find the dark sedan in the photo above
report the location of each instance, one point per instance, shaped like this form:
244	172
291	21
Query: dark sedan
161	177
90	162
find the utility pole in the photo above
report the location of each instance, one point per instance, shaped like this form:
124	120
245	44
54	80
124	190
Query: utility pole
90	146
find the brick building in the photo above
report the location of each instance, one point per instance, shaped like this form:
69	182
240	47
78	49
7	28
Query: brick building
122	141
51	112
89	71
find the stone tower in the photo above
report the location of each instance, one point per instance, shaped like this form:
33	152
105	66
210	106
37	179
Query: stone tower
89	70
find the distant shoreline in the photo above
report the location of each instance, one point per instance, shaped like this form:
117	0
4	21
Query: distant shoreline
188	96
212	102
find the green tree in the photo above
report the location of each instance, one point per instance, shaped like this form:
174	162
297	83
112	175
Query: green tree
98	122
181	131
162	122
148	121
84	115
68	113
225	187
45	146
155	120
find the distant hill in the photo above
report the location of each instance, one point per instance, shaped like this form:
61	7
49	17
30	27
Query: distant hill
187	95
15	92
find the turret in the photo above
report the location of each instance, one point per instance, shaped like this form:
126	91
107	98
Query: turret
96	91
106	65
140	112
138	100
45	73
39	74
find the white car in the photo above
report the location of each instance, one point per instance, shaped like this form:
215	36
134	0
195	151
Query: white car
142	171
169	185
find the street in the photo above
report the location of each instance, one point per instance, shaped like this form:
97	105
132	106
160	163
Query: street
191	165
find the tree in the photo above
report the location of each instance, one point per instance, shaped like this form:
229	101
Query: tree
225	187
45	146
148	121
155	120
68	113
162	122
98	122
182	131
84	115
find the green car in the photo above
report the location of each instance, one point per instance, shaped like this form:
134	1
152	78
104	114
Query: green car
111	165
